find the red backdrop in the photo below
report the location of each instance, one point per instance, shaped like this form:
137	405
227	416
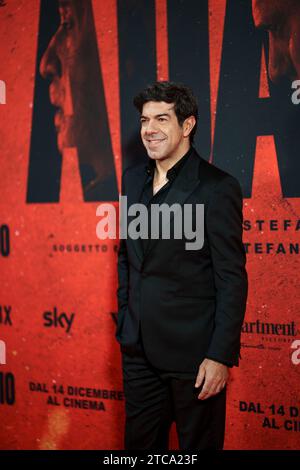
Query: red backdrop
51	262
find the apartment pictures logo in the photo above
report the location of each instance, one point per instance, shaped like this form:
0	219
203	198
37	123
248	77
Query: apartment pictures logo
274	336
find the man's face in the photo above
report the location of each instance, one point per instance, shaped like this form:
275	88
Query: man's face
61	63
281	18
161	133
71	63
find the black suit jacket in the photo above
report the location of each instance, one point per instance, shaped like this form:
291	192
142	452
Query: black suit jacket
190	303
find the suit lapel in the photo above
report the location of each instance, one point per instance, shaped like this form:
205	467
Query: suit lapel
133	196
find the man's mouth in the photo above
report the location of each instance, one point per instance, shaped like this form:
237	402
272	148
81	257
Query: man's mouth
155	141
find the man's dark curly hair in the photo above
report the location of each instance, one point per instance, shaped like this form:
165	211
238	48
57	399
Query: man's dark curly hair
185	103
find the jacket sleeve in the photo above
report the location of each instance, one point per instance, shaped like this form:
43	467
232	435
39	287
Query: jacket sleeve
123	272
224	221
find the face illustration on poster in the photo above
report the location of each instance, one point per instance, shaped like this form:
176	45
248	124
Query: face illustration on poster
281	19
71	64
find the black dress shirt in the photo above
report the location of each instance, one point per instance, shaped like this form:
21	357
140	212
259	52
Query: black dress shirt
148	198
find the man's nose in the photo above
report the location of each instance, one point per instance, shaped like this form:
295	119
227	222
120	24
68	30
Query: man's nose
151	128
280	63
50	65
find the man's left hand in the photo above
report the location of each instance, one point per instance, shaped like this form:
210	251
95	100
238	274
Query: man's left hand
215	376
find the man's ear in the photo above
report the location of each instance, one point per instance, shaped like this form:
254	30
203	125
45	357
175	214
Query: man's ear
188	125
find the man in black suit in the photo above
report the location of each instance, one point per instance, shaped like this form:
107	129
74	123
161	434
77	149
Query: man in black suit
180	311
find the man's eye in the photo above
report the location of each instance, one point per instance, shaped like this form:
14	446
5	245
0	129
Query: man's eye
275	28
272	27
162	119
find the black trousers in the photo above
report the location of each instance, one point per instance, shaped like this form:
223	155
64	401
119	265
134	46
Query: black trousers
155	398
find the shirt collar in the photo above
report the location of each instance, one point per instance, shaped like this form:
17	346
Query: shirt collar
173	171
